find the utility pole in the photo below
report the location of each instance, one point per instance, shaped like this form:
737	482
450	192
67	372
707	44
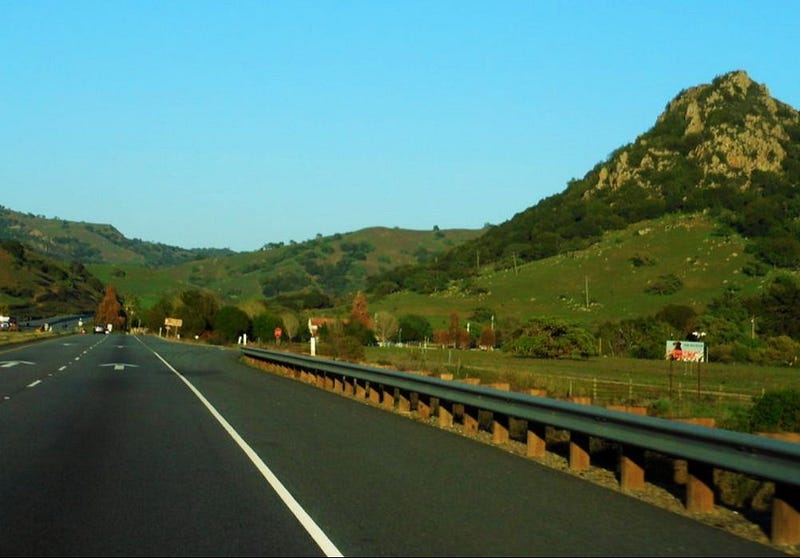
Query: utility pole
586	289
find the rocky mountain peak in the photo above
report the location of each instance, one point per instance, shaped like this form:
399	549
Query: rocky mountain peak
722	131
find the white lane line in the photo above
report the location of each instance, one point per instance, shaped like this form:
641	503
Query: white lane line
62	368
34	384
305	520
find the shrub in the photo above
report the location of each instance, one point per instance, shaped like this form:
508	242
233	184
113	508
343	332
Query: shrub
231	322
640	260
346	347
755	269
544	338
665	285
415	327
776	411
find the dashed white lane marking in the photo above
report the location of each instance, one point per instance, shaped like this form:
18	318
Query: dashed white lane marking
305	520
34	384
62	368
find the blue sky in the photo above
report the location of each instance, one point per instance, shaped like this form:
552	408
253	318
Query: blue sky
232	124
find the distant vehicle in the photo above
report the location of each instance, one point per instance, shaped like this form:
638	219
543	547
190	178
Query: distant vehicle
99	329
8	323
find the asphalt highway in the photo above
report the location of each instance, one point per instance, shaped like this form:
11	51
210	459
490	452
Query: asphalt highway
117	445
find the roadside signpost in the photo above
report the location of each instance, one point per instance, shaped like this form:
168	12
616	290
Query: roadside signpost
173	322
690	352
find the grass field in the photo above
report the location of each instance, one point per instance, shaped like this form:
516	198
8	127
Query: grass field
668	389
15	337
606	282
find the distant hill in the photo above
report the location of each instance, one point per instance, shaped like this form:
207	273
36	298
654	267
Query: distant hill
92	243
34	286
726	149
330	265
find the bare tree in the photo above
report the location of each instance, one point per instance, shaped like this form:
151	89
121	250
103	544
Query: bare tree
291	324
386	326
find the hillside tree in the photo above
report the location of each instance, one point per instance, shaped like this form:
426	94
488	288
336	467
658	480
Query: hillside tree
110	309
230	323
360	311
264	325
291	325
386	326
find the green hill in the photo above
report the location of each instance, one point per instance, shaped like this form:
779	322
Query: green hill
334	265
90	242
34	286
673	260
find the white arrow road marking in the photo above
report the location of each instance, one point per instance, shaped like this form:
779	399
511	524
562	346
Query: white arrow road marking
12	363
120	365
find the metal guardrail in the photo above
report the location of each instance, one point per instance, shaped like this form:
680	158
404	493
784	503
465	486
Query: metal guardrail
758	456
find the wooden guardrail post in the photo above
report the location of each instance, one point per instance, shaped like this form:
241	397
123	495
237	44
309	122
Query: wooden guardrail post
458	412
361	389
579	451
445	417
537	444
786	514
388	398
404	404
422	407
699	487
631	468
500	428
373	394
470	420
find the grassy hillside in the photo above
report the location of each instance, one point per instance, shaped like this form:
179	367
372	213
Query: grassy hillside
34	286
90	242
620	274
338	263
